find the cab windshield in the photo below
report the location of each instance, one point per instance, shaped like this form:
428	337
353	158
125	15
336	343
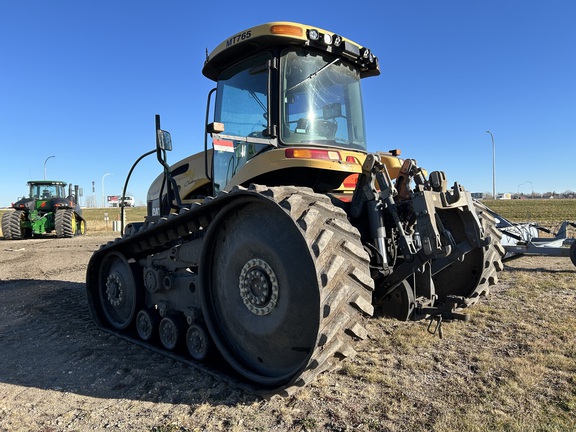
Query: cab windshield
46	191
321	101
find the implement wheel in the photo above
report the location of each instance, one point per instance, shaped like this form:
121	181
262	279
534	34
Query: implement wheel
277	295
117	293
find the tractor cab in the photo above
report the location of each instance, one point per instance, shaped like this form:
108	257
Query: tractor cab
43	195
288	87
286	110
45	190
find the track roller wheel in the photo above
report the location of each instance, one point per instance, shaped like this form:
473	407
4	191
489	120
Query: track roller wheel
146	324
80	226
198	342
117	291
170	332
285	285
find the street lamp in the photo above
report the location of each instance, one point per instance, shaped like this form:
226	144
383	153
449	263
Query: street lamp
493	166
103	196
528	181
45	165
521	184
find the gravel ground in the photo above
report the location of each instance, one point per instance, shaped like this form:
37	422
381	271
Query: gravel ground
57	371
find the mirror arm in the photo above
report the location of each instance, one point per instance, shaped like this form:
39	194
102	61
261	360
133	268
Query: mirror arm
172	186
126	186
208	176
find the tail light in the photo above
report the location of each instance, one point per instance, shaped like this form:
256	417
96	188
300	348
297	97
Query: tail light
304	153
351	181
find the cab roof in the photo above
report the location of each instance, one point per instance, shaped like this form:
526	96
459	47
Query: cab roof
46	182
284	33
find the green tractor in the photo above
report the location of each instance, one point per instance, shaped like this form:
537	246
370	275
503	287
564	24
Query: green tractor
48	208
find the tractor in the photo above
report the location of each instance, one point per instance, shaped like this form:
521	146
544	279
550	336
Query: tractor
47	208
261	257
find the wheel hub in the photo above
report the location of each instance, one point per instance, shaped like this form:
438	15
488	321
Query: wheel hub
258	287
114	291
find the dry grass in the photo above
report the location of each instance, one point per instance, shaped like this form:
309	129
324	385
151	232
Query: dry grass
95	218
548	213
513	367
96	222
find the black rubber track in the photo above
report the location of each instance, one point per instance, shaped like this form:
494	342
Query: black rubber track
341	264
63	223
493	254
473	277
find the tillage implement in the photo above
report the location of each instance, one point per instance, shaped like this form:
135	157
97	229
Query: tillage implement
262	255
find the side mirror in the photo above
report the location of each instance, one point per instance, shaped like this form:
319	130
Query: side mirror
164	141
215	128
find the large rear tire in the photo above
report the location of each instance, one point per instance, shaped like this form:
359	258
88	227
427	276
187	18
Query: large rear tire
285	286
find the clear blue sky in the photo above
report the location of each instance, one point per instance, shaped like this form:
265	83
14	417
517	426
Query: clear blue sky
82	81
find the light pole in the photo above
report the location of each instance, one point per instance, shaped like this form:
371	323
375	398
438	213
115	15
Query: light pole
103	196
45	165
528	181
521	184
493	166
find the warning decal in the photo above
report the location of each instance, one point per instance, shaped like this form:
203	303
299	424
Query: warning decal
223	145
